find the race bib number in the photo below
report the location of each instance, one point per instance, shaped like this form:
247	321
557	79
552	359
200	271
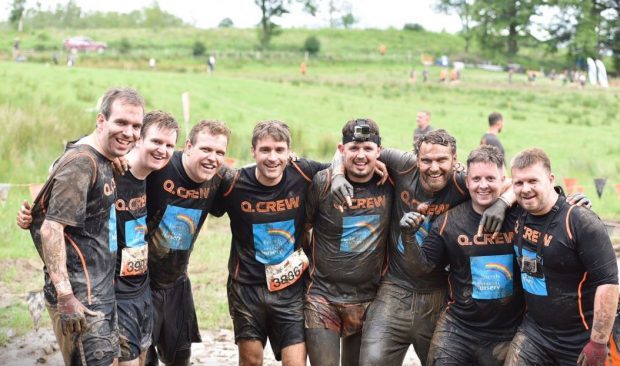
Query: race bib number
134	260
281	276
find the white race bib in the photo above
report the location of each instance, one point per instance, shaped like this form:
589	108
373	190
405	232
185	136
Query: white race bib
281	276
134	261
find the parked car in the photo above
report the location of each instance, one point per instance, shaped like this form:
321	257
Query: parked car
84	44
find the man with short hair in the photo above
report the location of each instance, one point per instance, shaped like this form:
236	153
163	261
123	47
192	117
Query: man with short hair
133	296
568	270
74	229
266	206
348	248
179	198
487	300
496	123
423	120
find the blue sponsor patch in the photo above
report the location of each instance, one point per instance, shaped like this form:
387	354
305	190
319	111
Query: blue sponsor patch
134	232
179	226
533	285
112	236
423	231
274	241
358	233
492	276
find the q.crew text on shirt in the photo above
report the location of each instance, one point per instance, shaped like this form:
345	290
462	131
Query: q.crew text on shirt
532	236
433	209
368	202
285	204
134	204
485	239
200	193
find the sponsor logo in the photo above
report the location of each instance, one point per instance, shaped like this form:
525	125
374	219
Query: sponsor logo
274	241
492	276
359	233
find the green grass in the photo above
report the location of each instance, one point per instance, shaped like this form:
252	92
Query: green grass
42	106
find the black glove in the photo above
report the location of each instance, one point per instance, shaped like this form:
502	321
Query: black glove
342	190
493	217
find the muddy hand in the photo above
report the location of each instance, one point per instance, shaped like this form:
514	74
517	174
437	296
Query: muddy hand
24	216
73	314
593	354
381	169
579	199
411	221
493	218
120	165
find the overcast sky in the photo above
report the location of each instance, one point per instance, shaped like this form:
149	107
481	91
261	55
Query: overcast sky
244	13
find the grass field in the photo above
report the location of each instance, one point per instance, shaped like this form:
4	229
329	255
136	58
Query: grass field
42	106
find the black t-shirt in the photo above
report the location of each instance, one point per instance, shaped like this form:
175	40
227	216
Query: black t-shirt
348	248
493	140
176	209
403	169
267	223
82	194
577	257
131	261
485	286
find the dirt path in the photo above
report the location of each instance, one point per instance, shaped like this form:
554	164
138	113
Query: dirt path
217	349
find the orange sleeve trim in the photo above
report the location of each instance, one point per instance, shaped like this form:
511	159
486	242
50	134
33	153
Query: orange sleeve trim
456	184
583	318
407	171
391	181
83	266
232	185
570	234
301	171
445	221
451	300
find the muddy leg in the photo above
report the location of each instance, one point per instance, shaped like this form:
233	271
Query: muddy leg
351	349
323	347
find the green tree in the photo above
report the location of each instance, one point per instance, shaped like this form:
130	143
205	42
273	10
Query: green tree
465	10
226	23
17	11
271	9
312	45
348	20
501	24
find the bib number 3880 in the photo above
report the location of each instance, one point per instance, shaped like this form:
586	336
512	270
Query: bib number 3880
281	276
134	261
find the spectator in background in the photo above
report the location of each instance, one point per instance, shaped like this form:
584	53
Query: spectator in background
496	122
211	63
424	124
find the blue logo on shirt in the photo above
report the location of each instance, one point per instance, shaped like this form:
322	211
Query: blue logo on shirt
358	233
533	285
274	241
134	232
179	226
492	276
112	237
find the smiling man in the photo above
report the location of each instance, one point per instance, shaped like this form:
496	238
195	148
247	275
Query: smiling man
487	300
74	229
568	269
348	249
179	198
266	206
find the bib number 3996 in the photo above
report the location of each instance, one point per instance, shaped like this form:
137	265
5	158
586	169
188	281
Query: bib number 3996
134	261
281	276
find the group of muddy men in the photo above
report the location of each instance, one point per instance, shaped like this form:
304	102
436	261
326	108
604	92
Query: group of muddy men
348	262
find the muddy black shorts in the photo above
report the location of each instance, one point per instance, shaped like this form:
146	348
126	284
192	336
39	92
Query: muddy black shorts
175	326
453	344
99	342
135	323
344	319
258	314
531	347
